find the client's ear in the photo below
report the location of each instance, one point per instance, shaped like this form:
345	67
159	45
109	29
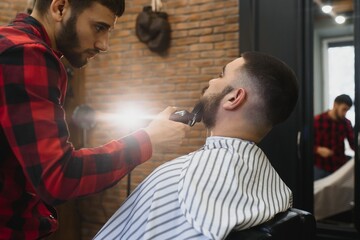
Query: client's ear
235	99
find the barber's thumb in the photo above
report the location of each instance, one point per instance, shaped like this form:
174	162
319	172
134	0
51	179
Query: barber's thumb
168	111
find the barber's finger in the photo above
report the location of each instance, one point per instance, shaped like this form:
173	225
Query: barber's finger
167	112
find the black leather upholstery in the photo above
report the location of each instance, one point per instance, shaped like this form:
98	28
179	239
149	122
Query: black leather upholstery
293	224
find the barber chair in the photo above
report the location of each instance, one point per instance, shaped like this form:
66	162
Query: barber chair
293	224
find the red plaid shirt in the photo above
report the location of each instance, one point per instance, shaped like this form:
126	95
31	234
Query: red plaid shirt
331	134
39	168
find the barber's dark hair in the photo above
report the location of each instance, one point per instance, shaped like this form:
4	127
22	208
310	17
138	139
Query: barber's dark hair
275	82
117	6
343	98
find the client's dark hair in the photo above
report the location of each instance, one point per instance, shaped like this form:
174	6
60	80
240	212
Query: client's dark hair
275	82
117	6
343	98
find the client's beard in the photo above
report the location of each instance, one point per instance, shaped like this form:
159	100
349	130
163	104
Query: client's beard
210	105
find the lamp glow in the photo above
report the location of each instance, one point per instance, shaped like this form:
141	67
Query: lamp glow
340	19
131	117
326	9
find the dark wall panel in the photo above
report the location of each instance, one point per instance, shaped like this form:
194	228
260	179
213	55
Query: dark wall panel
280	28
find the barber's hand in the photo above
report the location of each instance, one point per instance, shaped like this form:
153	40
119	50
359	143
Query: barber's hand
164	133
324	152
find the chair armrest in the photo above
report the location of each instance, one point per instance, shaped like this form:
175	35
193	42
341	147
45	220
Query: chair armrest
294	224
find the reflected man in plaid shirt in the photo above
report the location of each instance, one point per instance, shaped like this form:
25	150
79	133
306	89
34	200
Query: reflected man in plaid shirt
331	129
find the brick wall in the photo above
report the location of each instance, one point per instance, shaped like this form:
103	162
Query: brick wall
204	38
9	8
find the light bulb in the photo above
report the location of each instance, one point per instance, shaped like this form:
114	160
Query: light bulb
326	8
340	19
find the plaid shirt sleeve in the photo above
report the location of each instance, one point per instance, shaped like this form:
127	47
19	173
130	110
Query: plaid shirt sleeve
32	83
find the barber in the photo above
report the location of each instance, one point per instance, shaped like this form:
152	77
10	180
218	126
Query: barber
39	167
331	128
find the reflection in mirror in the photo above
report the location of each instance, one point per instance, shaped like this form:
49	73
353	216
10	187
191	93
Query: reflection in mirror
333	76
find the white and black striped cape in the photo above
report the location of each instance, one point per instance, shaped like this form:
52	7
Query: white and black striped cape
228	184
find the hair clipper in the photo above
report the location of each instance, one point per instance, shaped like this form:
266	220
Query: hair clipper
186	117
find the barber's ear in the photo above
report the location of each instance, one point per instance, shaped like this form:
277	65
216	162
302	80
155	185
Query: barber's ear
58	9
235	99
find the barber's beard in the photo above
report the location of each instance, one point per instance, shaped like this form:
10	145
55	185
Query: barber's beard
67	41
210	105
338	116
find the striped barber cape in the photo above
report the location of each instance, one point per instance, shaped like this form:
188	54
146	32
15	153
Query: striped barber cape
229	184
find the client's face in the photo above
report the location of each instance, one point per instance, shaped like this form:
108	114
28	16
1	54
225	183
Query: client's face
216	91
210	105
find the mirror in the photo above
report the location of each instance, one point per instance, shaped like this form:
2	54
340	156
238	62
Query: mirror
334	74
